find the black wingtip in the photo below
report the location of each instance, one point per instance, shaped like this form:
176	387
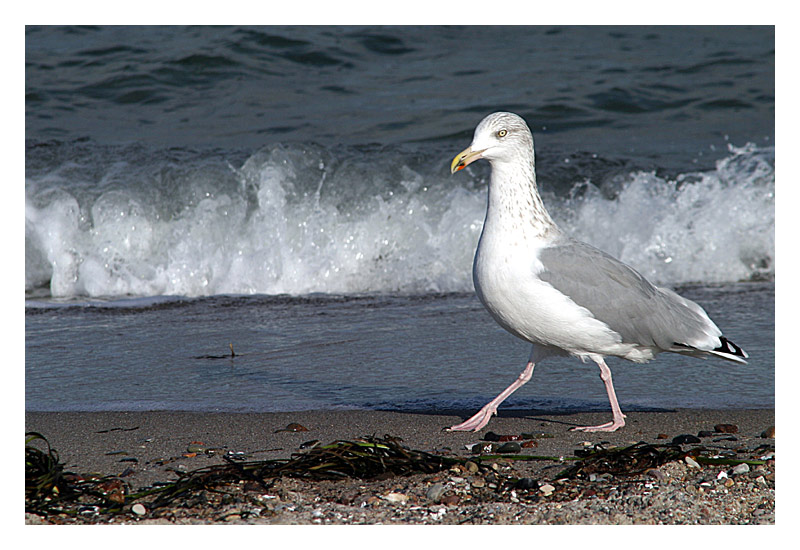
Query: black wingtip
729	348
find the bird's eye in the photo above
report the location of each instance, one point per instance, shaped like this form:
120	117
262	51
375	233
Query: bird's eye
502	133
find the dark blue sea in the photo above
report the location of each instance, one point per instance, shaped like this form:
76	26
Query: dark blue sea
286	191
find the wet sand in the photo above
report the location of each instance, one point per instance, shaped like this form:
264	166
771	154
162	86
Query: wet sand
149	447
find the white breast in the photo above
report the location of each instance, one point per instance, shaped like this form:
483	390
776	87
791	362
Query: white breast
506	281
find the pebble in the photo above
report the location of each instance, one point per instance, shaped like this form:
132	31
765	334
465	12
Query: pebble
527	483
705	433
451	500
656	474
396	498
509	447
769	433
740	469
479	483
547	489
471	467
139	509
293	427
685	438
726	428
692	462
195	448
435	492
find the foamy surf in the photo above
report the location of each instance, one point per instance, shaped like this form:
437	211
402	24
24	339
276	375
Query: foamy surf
295	219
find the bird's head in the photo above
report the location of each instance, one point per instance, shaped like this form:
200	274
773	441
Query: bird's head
498	137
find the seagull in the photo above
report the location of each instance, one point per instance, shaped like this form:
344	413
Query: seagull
560	294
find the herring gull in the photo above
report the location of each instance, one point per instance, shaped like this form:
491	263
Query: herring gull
562	295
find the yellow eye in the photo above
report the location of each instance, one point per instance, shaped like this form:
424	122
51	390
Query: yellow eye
502	133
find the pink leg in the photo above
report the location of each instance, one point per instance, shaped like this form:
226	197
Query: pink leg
619	418
483	416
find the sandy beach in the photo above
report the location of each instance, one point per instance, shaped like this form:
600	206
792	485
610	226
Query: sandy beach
147	448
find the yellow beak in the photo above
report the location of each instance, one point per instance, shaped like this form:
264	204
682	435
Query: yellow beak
464	158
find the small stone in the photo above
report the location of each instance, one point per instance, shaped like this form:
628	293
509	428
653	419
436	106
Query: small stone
527	483
547	489
195	449
729	482
685	438
504	438
726	428
656	474
471	467
509	447
769	433
451	500
705	433
293	427
760	480
396	498
139	509
478	483
692	462
662	436
530	443
491	436
739	469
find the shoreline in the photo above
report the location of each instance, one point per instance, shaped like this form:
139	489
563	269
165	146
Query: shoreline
147	448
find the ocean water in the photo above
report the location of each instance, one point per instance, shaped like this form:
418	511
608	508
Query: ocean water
286	190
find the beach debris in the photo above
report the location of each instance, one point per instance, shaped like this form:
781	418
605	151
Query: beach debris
117	430
547	489
621	461
310	444
526	483
726	428
769	433
451	500
684	439
509	447
692	463
435	492
293	427
740	469
238	488
230	355
396	498
195	448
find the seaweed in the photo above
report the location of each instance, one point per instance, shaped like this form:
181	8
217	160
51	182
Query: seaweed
49	490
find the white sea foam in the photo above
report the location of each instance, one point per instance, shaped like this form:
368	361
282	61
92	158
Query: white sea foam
286	223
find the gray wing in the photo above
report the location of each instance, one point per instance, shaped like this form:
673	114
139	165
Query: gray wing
620	297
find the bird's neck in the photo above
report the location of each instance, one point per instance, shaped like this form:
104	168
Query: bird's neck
514	200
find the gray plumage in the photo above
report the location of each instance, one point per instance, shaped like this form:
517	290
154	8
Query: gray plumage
629	304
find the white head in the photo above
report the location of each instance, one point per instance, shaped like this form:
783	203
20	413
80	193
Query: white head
499	137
